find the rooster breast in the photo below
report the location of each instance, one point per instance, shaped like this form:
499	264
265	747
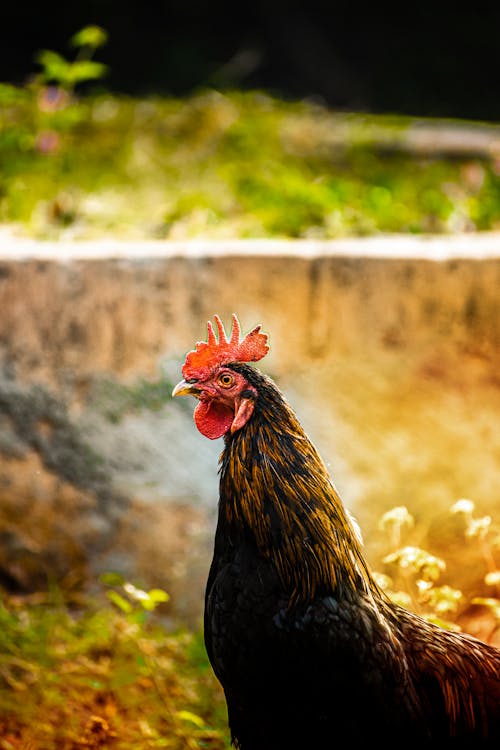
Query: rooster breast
299	676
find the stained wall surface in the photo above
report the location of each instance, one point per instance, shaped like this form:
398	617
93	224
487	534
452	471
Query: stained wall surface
392	364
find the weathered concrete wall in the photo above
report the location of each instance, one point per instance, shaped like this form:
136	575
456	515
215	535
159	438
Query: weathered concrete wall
392	364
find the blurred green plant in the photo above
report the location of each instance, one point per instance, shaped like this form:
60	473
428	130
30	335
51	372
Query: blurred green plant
69	73
222	165
130	599
415	572
72	674
37	125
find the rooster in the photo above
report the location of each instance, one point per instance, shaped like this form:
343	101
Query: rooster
309	650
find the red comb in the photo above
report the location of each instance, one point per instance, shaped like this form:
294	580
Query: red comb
208	355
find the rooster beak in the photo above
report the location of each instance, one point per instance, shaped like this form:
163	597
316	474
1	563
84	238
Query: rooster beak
185	389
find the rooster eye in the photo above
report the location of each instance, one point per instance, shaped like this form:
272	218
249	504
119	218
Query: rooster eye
226	380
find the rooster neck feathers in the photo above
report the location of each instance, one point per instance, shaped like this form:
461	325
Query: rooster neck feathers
275	486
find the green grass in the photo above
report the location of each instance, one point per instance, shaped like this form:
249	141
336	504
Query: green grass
225	165
103	673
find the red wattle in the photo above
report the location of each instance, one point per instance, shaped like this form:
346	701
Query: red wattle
212	419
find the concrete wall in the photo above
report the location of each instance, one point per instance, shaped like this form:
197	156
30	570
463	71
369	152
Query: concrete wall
392	364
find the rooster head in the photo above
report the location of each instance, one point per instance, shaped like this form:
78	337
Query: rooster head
226	398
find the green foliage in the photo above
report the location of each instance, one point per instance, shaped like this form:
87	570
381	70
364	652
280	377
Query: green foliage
132	599
38	125
67	74
415	572
91	37
418	561
73	674
213	165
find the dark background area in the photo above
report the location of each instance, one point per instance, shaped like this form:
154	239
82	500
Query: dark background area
437	61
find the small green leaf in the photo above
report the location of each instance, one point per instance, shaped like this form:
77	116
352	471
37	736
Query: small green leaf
154	597
112	579
85	70
120	602
158	595
193	718
90	36
55	67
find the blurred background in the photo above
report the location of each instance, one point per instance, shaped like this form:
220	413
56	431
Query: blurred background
431	60
328	171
